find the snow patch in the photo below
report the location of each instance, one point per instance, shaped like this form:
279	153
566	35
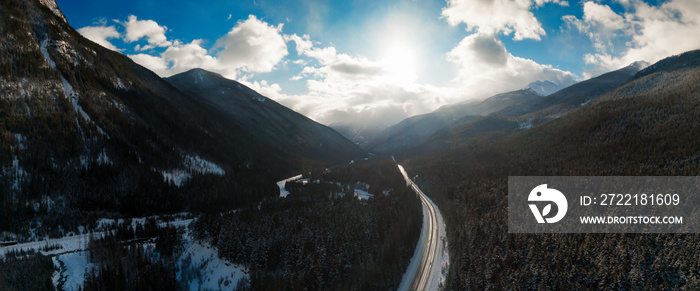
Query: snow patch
73	96
203	166
16	171
526	124
75	265
363	195
177	177
45	53
120	84
217	273
51	4
103	159
192	164
20	141
283	190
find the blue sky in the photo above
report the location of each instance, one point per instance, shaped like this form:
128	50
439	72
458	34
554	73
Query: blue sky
376	62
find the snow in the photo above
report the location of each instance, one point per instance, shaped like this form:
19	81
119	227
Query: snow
51	4
280	184
192	164
16	171
103	159
68	244
45	53
203	166
75	265
73	96
442	260
179	220
217	273
120	84
407	278
20	141
362	195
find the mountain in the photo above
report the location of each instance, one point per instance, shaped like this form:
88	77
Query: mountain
575	95
266	120
528	113
545	88
85	130
647	126
360	135
415	130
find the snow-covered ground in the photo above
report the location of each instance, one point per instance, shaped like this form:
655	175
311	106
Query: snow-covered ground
215	273
71	258
280	184
73	267
67	244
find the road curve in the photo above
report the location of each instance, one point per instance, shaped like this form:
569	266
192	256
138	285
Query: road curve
428	272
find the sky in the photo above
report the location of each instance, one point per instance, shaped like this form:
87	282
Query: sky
373	63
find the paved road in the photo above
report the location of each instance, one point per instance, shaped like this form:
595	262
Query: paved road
428	270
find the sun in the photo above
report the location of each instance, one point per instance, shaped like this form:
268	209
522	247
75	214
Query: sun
399	64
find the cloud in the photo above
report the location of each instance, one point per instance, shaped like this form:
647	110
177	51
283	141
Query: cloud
343	88
603	15
100	34
354	90
156	64
485	68
498	16
640	32
181	58
149	29
252	45
479	49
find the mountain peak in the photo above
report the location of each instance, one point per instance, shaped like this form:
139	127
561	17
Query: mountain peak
51	4
639	65
543	88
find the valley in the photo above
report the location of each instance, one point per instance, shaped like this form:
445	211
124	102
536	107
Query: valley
140	169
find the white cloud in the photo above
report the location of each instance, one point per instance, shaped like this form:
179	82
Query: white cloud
642	32
100	35
149	29
487	68
498	16
156	64
344	88
252	45
181	58
354	90
603	15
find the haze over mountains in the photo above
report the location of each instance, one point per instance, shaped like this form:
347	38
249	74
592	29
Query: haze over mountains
497	115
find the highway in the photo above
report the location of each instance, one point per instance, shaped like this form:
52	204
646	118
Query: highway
428	272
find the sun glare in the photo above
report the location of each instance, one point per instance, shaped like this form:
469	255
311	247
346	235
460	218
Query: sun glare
399	62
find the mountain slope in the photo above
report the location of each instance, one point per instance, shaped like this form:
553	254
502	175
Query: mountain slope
648	126
291	132
414	131
575	95
529	113
84	129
